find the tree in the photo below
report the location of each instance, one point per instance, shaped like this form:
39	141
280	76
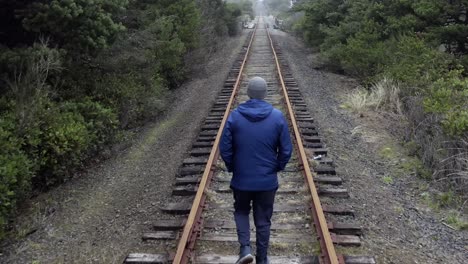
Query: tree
278	6
231	13
448	22
79	26
186	18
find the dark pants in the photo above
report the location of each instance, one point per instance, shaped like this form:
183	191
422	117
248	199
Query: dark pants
262	203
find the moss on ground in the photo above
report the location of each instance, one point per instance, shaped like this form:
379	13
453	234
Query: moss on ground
151	137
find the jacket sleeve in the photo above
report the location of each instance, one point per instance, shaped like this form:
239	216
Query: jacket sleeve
285	145
225	145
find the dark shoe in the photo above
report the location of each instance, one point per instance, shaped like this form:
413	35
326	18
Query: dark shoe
263	261
245	256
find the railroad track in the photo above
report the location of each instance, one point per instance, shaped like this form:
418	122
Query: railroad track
200	220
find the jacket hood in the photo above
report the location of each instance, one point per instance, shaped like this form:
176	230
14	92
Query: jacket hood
255	110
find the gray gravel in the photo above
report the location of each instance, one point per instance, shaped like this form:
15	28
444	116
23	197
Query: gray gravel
398	228
99	217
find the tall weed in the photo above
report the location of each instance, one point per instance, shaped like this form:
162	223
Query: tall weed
454	168
382	95
28	86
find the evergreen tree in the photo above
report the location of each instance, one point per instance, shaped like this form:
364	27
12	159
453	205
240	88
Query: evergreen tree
79	26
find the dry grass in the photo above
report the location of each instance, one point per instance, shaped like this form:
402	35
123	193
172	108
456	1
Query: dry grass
29	86
454	168
356	101
383	95
445	157
275	245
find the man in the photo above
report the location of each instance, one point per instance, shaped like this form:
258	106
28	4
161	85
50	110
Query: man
255	145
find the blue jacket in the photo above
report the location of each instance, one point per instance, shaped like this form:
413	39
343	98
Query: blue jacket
255	145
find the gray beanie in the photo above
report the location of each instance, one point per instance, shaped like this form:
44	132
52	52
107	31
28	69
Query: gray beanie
257	88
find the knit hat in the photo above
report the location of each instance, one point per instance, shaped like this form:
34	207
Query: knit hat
257	88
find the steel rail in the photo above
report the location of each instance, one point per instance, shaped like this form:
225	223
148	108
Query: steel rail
329	255
192	225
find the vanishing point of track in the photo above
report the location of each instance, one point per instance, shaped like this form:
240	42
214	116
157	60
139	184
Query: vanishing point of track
201	218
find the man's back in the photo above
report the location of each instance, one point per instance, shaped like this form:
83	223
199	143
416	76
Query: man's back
255	145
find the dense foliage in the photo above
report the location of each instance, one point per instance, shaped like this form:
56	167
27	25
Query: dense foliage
74	73
234	10
277	7
421	44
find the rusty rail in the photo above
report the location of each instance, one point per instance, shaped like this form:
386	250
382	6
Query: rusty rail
193	223
328	255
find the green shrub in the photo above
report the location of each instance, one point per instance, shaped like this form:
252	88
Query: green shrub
448	97
232	13
186	20
15	170
446	199
51	147
65	140
362	56
168	52
101	122
133	98
463	60
412	62
172	29
455	219
415	166
406	59
27	70
15	60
